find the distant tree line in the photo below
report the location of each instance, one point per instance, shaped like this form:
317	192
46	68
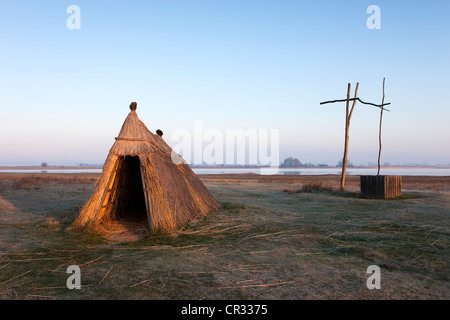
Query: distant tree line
349	164
295	163
291	163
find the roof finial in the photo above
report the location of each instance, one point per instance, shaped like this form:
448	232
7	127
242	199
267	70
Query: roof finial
133	106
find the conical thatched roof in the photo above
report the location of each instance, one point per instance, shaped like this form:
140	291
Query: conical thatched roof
143	178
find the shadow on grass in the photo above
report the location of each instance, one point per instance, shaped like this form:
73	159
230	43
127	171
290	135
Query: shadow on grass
345	194
212	228
357	195
232	206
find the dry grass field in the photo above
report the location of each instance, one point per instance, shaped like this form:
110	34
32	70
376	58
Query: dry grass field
276	237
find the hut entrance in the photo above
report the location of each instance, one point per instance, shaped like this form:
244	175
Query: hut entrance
130	200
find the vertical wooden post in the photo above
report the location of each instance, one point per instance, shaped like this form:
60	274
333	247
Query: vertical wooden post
348	116
379	134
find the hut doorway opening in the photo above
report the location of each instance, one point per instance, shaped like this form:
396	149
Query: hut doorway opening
130	199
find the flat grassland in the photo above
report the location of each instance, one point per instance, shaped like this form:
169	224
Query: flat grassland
276	237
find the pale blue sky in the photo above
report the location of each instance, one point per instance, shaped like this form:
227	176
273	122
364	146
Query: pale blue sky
249	64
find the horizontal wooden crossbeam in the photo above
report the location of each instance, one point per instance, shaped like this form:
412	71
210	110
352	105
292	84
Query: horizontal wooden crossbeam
358	99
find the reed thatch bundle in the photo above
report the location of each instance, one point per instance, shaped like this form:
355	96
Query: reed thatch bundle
141	180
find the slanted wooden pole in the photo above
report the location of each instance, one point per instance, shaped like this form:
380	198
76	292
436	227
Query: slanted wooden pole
344	160
348	116
379	133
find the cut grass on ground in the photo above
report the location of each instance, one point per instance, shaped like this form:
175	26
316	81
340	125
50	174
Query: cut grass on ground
263	244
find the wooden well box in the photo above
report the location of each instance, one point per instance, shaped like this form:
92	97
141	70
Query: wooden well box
381	187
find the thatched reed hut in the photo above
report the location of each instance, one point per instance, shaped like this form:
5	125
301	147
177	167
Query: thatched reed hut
144	180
